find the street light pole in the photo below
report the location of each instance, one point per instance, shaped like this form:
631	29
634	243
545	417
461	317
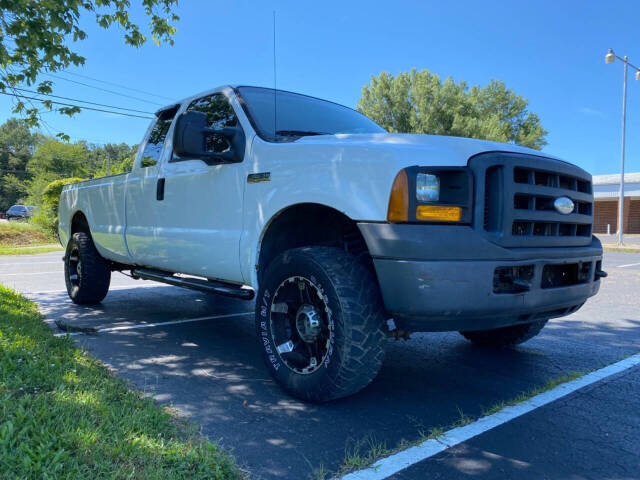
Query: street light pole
610	57
624	128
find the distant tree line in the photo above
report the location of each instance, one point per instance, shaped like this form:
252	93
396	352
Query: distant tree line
30	161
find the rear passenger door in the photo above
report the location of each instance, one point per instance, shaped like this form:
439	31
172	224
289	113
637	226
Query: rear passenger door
200	216
142	190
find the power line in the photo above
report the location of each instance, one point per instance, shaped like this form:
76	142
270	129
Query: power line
105	90
83	101
79	106
117	85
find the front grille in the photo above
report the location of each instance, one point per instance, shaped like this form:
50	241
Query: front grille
534	210
518	195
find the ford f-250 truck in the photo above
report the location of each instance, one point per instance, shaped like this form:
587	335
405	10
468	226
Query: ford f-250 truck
340	230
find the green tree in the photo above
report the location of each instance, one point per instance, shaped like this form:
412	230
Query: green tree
420	102
127	164
60	158
54	160
12	191
35	37
47	217
112	153
36	185
17	144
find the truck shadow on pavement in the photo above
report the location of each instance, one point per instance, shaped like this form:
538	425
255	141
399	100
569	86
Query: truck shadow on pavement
212	371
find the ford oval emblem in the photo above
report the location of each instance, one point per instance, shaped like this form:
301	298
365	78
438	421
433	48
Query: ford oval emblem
563	205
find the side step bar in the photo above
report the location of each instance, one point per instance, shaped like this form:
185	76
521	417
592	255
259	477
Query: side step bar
209	286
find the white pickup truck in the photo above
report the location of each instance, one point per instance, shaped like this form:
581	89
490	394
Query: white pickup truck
343	232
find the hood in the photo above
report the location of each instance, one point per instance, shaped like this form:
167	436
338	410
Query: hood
433	149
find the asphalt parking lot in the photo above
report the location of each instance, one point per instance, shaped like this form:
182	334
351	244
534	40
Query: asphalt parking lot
211	370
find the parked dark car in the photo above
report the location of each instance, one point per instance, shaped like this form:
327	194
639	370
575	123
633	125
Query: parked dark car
20	212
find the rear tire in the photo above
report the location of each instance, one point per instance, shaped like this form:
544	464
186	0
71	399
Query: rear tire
86	274
319	320
505	336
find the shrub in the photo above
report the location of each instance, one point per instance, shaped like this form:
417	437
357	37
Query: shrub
47	216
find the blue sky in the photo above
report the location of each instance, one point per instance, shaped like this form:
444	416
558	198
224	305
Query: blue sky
551	52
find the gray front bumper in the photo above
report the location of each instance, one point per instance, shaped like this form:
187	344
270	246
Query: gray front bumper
438	277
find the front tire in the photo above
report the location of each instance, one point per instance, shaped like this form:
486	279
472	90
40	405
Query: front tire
86	273
505	336
319	320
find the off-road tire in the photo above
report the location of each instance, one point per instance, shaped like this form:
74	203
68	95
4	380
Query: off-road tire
355	310
505	336
94	274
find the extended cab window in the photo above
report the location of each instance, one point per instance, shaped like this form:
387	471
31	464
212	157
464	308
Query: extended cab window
220	114
157	136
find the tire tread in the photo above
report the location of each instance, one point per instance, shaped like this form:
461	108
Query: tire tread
362	315
96	272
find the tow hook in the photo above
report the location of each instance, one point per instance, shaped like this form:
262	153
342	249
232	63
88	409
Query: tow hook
601	274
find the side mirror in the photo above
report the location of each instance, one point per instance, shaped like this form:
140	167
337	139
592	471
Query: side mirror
191	135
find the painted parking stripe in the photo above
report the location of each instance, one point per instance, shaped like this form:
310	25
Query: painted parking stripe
172	322
29	273
117	287
393	464
158	324
29	263
628	265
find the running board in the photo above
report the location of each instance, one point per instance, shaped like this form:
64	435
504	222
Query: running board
208	286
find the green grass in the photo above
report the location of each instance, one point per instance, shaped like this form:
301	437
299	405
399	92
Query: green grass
362	454
621	249
19	234
28	251
62	415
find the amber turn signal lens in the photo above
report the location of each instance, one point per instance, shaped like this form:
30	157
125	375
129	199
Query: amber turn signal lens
437	213
398	210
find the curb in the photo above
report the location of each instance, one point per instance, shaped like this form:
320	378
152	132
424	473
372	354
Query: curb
65	327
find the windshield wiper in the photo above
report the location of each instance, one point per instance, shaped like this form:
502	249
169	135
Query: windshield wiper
299	133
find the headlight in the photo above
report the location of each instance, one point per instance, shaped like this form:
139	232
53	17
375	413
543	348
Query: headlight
427	187
431	194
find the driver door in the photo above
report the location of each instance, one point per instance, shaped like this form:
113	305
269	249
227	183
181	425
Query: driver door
199	218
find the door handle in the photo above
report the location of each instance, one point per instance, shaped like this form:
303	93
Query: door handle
160	189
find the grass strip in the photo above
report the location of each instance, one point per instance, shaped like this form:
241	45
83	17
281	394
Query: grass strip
14	234
28	251
611	248
62	415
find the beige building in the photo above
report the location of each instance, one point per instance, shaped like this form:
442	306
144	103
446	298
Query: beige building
606	191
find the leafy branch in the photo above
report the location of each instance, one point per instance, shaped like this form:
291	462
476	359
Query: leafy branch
36	37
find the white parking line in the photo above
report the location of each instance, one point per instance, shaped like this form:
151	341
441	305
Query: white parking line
28	263
29	273
158	324
628	265
118	287
393	464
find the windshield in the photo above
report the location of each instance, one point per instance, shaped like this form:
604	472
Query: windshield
300	115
